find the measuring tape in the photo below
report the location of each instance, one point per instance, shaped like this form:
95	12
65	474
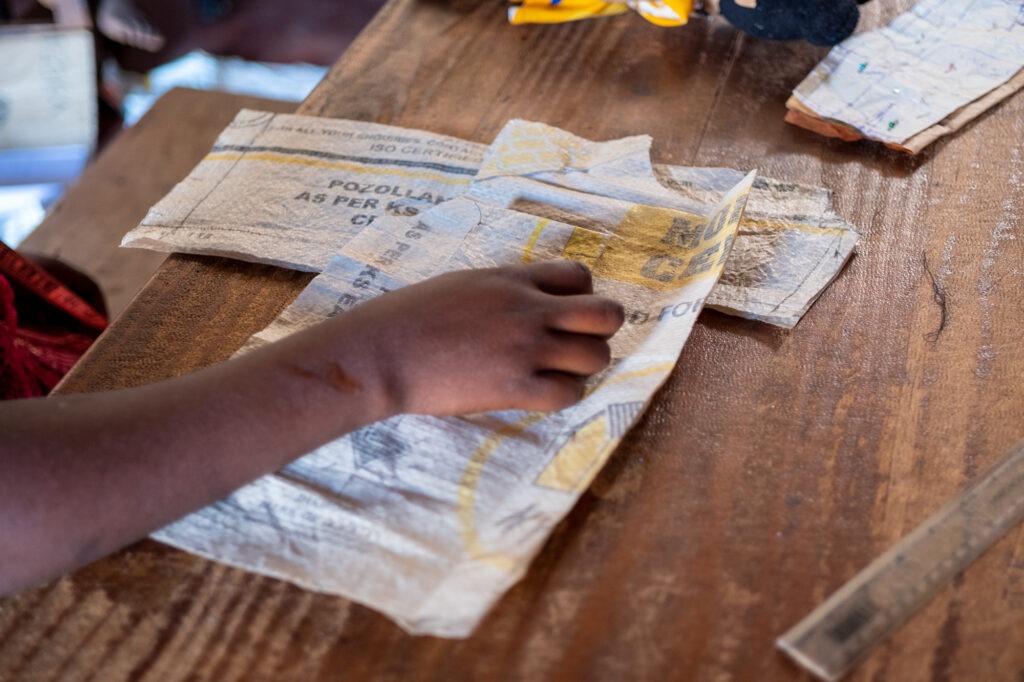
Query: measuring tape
19	269
841	631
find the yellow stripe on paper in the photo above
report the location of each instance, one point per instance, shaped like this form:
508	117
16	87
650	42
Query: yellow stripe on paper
468	485
531	243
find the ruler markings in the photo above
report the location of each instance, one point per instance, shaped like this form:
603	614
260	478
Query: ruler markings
869	607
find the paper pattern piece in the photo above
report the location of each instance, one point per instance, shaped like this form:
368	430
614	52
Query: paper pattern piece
431	520
924	75
294	190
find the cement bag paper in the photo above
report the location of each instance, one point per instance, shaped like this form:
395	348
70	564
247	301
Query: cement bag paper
294	190
431	520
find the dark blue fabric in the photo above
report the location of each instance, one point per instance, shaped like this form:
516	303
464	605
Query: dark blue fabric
820	22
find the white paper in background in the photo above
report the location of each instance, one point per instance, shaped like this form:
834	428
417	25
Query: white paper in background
293	190
895	82
47	89
430	520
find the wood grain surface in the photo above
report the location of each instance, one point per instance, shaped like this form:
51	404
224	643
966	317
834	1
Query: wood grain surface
772	466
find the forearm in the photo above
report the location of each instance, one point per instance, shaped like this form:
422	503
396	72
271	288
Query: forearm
83	475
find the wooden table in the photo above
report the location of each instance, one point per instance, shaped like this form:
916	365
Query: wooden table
770	469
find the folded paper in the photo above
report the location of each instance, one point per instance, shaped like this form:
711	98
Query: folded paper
294	190
430	520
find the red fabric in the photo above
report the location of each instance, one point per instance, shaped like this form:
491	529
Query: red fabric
32	361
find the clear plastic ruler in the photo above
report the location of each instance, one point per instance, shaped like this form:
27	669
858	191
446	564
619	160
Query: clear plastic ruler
844	629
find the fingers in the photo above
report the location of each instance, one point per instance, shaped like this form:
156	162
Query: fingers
577	354
561	363
563	366
561	278
580	312
587	314
520	337
575	345
552	390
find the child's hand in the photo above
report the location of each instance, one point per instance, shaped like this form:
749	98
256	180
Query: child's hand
476	340
82	475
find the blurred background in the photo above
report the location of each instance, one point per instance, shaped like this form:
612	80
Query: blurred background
73	73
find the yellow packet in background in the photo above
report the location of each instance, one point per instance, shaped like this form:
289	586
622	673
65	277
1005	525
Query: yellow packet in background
660	12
